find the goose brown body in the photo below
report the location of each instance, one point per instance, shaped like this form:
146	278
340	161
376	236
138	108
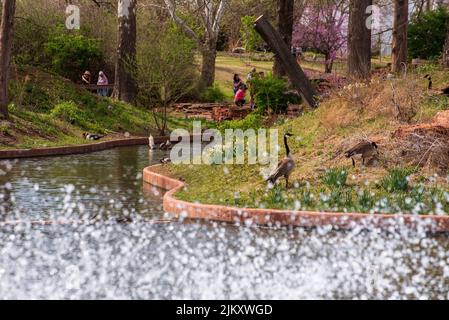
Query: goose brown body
285	166
365	148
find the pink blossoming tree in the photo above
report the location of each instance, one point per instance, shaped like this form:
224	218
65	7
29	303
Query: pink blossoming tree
322	26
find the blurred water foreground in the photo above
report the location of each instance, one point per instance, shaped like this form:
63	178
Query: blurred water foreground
186	260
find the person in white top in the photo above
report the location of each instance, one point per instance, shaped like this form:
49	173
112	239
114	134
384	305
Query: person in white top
102	81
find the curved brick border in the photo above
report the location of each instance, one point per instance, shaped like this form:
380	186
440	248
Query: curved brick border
77	149
183	209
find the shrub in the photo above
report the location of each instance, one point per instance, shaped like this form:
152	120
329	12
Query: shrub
396	180
213	94
430	25
35	97
71	54
251	121
270	92
335	177
67	111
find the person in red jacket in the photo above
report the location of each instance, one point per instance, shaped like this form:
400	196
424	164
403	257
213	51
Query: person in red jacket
239	98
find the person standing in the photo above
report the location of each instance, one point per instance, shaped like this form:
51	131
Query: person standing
86	77
102	81
237	83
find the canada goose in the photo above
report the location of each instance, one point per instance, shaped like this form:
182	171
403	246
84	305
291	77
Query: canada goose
166	145
89	136
444	91
165	160
151	143
285	166
429	78
365	148
124	220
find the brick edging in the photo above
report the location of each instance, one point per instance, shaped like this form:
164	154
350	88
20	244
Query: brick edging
183	209
76	149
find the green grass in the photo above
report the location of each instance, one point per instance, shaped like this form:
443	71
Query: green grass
319	183
48	110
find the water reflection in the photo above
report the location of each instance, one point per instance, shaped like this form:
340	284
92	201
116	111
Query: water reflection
107	183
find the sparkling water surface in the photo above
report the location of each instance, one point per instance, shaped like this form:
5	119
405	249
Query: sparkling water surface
152	258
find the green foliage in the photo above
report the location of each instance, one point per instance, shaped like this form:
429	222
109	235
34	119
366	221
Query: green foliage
165	66
34	22
335	177
271	92
71	54
71	113
251	39
251	121
213	94
396	180
426	35
36	97
166	70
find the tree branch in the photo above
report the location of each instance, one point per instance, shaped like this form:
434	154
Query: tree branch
171	7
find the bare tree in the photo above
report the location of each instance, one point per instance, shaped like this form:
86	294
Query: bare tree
6	34
210	13
400	27
359	39
124	84
285	27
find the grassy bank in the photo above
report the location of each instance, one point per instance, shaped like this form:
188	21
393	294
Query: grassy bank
48	110
324	179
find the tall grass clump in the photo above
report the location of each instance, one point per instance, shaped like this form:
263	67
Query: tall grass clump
335	177
396	180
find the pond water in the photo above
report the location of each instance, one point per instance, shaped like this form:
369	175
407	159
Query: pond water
151	258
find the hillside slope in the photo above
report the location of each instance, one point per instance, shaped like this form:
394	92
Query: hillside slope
360	111
48	110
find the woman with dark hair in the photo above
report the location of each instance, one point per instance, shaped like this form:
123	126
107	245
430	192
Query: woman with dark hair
237	83
239	98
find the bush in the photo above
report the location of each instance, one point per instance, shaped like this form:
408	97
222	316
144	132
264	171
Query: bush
396	180
251	121
213	94
270	92
72	54
426	35
71	113
67	111
335	177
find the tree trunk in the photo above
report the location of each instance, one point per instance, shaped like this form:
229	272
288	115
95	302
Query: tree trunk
295	73
359	40
124	83
400	26
446	50
6	34
328	64
209	55
285	26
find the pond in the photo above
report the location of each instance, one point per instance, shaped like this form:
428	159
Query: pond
152	258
